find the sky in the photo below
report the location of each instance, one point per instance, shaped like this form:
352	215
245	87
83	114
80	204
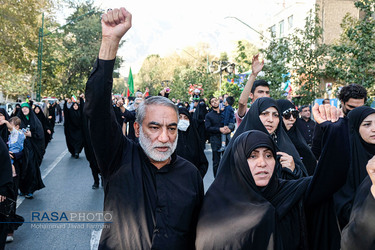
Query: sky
167	26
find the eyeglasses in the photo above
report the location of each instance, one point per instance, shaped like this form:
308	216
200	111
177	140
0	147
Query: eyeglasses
290	112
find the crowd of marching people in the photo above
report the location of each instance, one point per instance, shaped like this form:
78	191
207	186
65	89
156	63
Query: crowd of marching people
282	179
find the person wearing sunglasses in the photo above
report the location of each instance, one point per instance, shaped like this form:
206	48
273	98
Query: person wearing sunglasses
290	115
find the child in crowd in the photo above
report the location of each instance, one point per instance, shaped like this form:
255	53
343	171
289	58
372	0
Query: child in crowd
228	120
16	139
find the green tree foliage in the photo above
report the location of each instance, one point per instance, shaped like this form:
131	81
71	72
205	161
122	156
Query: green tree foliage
19	35
307	59
277	57
19	43
181	70
151	75
300	54
70	52
243	55
352	59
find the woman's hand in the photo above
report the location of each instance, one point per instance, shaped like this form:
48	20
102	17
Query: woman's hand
286	161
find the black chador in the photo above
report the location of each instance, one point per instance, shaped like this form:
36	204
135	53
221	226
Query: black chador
308	158
44	121
34	149
89	151
237	214
361	153
359	234
73	128
252	122
6	188
198	118
189	145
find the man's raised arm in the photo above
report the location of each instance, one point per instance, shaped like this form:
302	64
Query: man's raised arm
105	133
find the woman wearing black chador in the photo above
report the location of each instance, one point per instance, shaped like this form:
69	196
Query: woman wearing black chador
73	128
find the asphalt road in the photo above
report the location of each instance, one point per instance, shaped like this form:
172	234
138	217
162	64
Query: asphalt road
68	190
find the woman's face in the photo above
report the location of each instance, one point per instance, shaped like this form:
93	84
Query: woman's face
289	118
261	163
2	117
25	110
75	106
36	110
183	117
270	119
367	129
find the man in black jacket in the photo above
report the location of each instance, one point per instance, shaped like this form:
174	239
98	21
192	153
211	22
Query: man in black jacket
215	127
153	194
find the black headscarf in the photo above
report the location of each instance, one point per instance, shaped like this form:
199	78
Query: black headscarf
361	153
45	124
198	118
299	142
189	146
34	149
36	128
4	133
16	110
236	214
252	122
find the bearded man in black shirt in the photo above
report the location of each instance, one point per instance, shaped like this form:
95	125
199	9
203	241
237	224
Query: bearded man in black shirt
153	194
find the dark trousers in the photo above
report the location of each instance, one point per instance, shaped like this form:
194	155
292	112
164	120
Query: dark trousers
216	156
3	232
95	173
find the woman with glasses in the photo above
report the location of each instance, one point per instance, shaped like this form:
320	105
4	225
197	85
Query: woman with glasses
290	115
264	115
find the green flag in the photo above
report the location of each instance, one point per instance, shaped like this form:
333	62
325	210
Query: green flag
130	83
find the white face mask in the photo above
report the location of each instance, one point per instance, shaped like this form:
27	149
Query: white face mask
183	125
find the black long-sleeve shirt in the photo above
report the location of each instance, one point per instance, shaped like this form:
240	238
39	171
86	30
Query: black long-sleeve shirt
214	121
307	129
152	208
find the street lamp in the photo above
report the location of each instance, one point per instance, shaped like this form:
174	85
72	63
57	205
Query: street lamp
40	48
220	66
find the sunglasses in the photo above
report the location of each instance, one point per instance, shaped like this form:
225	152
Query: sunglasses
290	112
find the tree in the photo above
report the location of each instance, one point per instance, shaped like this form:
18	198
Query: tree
352	59
277	58
190	67
69	55
243	54
18	43
307	59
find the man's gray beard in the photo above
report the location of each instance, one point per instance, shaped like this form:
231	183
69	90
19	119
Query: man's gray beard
150	149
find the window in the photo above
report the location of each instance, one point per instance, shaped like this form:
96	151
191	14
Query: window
290	22
281	26
273	30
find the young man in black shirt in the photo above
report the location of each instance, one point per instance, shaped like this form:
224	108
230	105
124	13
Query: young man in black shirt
215	127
